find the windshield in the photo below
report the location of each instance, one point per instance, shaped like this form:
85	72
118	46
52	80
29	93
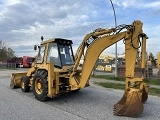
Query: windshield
30	59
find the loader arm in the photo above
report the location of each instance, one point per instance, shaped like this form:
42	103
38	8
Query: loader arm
136	90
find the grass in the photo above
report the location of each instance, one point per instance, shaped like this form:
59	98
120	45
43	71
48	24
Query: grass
153	82
109	77
152	91
111	85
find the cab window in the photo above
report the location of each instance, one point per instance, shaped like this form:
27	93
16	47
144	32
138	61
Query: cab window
66	55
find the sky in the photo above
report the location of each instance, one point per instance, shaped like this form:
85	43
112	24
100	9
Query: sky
23	22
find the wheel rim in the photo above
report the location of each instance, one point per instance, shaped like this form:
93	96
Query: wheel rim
38	86
22	84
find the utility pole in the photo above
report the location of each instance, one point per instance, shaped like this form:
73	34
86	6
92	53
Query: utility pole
116	43
116	66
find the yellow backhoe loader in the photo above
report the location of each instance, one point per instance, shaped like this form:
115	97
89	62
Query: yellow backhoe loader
56	70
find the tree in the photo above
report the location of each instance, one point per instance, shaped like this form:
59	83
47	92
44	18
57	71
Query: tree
5	52
10	53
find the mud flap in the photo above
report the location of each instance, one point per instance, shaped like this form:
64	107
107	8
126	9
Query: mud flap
130	104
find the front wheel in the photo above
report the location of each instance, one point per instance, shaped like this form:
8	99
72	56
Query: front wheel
76	90
40	85
25	84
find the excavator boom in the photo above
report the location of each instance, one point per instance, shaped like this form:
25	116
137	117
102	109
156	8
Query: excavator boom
135	89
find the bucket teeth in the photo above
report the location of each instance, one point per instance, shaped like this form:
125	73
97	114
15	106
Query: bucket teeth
130	105
117	108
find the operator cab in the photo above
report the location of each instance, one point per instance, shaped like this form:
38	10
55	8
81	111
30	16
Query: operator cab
59	52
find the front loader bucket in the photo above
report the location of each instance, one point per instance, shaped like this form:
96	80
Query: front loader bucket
16	79
130	104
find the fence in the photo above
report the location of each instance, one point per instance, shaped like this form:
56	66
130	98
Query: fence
149	73
8	66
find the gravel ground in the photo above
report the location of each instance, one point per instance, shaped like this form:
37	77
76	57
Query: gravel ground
92	103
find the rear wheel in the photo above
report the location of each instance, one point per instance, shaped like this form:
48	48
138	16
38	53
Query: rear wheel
40	85
25	84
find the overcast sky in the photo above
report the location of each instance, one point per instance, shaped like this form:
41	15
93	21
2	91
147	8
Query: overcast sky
23	22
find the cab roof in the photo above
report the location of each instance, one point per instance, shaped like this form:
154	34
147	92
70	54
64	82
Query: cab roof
57	40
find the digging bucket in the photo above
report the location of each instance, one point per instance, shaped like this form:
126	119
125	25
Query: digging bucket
130	104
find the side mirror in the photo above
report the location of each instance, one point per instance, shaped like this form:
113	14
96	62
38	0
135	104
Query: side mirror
35	47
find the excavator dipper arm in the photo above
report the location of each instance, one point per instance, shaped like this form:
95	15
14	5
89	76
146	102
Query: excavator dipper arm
131	103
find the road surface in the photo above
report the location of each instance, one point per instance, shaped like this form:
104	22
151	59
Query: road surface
92	103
